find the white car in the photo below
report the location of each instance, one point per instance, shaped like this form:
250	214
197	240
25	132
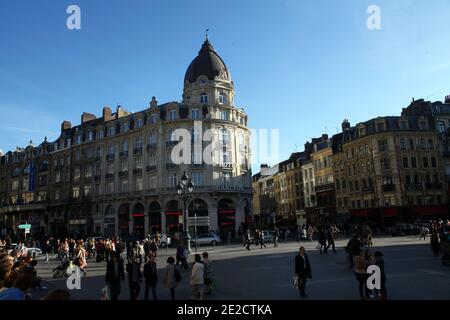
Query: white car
206	239
165	240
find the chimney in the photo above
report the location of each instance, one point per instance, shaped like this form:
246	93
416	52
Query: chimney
65	125
120	112
447	99
107	113
324	137
85	117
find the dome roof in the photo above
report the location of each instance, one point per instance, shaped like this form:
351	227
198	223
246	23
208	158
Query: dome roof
207	63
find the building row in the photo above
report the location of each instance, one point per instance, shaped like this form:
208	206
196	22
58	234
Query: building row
384	171
115	175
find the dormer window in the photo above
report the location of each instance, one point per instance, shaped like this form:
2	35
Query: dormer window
381	126
222	98
125	127
111	131
139	123
203	98
172	115
90	136
202	81
153	118
423	125
403	125
361	131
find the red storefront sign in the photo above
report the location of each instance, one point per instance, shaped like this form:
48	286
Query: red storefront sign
227	211
431	211
174	213
390	212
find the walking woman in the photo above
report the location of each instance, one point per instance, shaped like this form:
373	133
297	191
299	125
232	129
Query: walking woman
80	259
172	277
361	275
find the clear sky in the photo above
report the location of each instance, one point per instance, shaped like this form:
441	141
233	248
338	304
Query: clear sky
299	66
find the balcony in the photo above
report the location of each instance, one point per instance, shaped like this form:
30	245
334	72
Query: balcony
137	172
197	165
388	187
123	154
244	168
110	157
150	168
171	166
433	186
137	150
109	176
43	168
152	147
98	158
413	187
123	174
97	177
324	187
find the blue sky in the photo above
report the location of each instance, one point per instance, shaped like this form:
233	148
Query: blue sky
299	66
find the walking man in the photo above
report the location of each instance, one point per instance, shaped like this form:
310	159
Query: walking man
261	239
151	277
248	239
275	237
330	239
134	277
302	271
114	275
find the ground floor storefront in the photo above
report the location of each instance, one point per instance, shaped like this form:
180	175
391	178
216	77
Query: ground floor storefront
390	216
135	218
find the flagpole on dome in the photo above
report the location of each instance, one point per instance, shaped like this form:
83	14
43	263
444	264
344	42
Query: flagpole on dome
206	34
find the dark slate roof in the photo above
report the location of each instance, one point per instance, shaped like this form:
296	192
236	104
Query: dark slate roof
392	124
207	63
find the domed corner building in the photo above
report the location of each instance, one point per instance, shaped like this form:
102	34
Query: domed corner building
114	175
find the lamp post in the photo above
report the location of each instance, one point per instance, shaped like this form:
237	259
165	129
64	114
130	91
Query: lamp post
184	190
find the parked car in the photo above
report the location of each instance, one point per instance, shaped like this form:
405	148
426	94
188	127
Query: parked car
206	239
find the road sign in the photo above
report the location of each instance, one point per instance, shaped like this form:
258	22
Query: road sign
25	226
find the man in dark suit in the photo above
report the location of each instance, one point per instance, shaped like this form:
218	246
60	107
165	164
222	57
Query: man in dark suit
114	275
302	270
134	277
151	277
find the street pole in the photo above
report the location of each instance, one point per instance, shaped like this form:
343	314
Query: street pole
186	219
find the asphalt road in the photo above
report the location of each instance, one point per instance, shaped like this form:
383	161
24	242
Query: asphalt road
412	273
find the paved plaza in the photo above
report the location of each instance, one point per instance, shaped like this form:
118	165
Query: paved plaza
412	273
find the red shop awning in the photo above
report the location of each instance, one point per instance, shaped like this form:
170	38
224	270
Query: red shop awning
174	213
359	213
390	212
227	211
431	211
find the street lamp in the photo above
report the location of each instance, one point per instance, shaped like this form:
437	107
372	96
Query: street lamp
184	190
